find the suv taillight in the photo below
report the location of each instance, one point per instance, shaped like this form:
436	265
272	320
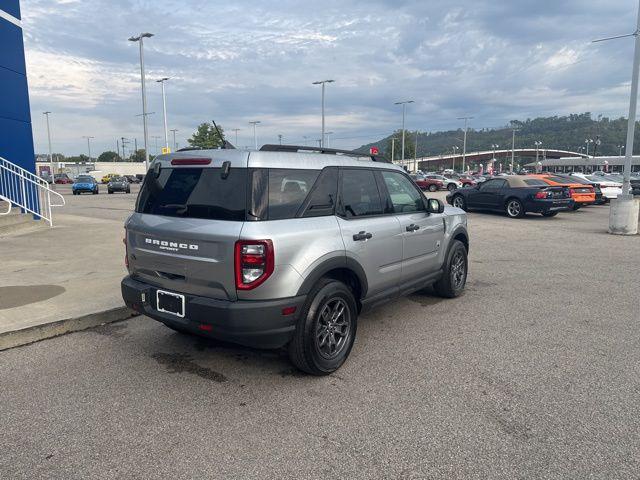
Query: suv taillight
254	261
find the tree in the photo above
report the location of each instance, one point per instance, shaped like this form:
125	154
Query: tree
206	136
109	156
138	156
409	146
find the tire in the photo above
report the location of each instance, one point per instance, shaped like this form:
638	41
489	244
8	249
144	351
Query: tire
452	282
458	201
451	187
576	206
514	208
308	350
433	188
110	192
549	214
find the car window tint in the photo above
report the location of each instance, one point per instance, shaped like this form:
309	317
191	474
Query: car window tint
534	182
404	196
287	191
359	193
323	195
492	185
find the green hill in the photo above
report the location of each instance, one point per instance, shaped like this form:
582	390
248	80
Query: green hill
566	133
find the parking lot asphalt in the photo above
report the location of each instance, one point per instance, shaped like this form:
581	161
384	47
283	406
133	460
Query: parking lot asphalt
532	373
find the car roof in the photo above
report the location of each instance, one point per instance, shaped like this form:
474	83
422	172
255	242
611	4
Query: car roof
271	159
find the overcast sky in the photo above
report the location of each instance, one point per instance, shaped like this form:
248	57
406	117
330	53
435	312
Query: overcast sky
255	60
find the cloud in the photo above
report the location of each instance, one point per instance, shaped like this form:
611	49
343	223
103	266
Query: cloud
241	61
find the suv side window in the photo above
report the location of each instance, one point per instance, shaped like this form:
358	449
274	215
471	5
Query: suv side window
322	199
404	196
287	191
359	193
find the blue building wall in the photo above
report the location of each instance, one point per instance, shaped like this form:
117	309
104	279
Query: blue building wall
16	138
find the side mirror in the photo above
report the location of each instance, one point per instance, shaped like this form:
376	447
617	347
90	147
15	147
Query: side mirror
435	206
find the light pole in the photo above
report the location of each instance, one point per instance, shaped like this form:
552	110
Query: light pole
155	138
88	144
255	136
404	105
455	149
280	139
464	142
140	39
174	130
393	148
46	114
537	144
322	82
236	130
620	147
328	139
415	155
513	148
493	160
587	142
164	113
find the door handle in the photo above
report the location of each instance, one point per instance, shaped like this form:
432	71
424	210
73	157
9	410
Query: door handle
362	236
413	227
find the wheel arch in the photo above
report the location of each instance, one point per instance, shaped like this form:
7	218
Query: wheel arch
343	268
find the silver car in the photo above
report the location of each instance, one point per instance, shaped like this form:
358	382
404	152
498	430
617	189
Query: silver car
285	247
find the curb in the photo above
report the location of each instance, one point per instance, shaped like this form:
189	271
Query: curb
36	333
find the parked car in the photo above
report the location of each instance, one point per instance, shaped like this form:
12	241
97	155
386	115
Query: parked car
62	179
465	180
132	178
226	244
118	184
605	189
427	183
515	195
448	183
107	178
582	194
85	184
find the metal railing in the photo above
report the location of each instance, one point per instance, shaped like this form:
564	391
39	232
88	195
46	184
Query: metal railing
27	191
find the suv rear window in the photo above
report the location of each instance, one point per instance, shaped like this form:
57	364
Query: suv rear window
287	191
195	193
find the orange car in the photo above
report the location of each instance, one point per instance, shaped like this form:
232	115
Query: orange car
582	194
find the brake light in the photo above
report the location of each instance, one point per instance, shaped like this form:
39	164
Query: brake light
542	195
191	161
126	250
254	262
572	192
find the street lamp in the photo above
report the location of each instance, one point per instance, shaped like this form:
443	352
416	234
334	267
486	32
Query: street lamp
46	114
404	105
164	113
537	144
255	137
140	39
88	144
513	148
493	160
619	147
587	142
455	149
321	82
175	145
464	143
236	130
328	142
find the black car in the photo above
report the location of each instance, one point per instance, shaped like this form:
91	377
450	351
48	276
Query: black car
516	195
118	184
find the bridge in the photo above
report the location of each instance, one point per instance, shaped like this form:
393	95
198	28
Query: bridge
454	161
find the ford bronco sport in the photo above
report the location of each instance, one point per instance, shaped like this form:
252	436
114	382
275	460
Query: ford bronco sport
285	246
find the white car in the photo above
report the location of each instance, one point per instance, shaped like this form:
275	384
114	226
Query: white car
610	188
449	183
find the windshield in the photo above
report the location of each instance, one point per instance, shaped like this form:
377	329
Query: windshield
84	180
195	193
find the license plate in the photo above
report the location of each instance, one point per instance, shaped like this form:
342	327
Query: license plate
169	302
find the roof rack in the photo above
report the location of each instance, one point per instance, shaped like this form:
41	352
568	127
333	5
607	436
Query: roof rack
329	151
189	149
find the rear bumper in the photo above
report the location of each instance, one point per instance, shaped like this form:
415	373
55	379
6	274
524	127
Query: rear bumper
258	324
550	205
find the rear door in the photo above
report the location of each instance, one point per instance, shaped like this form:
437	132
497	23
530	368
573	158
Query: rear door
182	236
422	233
370	231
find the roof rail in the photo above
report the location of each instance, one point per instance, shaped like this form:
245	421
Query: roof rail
329	151
189	149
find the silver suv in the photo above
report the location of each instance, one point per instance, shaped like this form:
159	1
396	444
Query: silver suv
285	246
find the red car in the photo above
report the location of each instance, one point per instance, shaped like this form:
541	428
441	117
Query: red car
425	183
465	180
62	178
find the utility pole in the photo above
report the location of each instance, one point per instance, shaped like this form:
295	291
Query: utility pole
464	142
415	155
280	139
513	149
255	136
53	183
164	113
88	144
175	145
323	83
404	104
236	130
140	39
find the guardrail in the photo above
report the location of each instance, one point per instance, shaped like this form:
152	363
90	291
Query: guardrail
27	191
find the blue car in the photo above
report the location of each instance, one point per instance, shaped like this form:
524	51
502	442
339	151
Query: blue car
85	183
